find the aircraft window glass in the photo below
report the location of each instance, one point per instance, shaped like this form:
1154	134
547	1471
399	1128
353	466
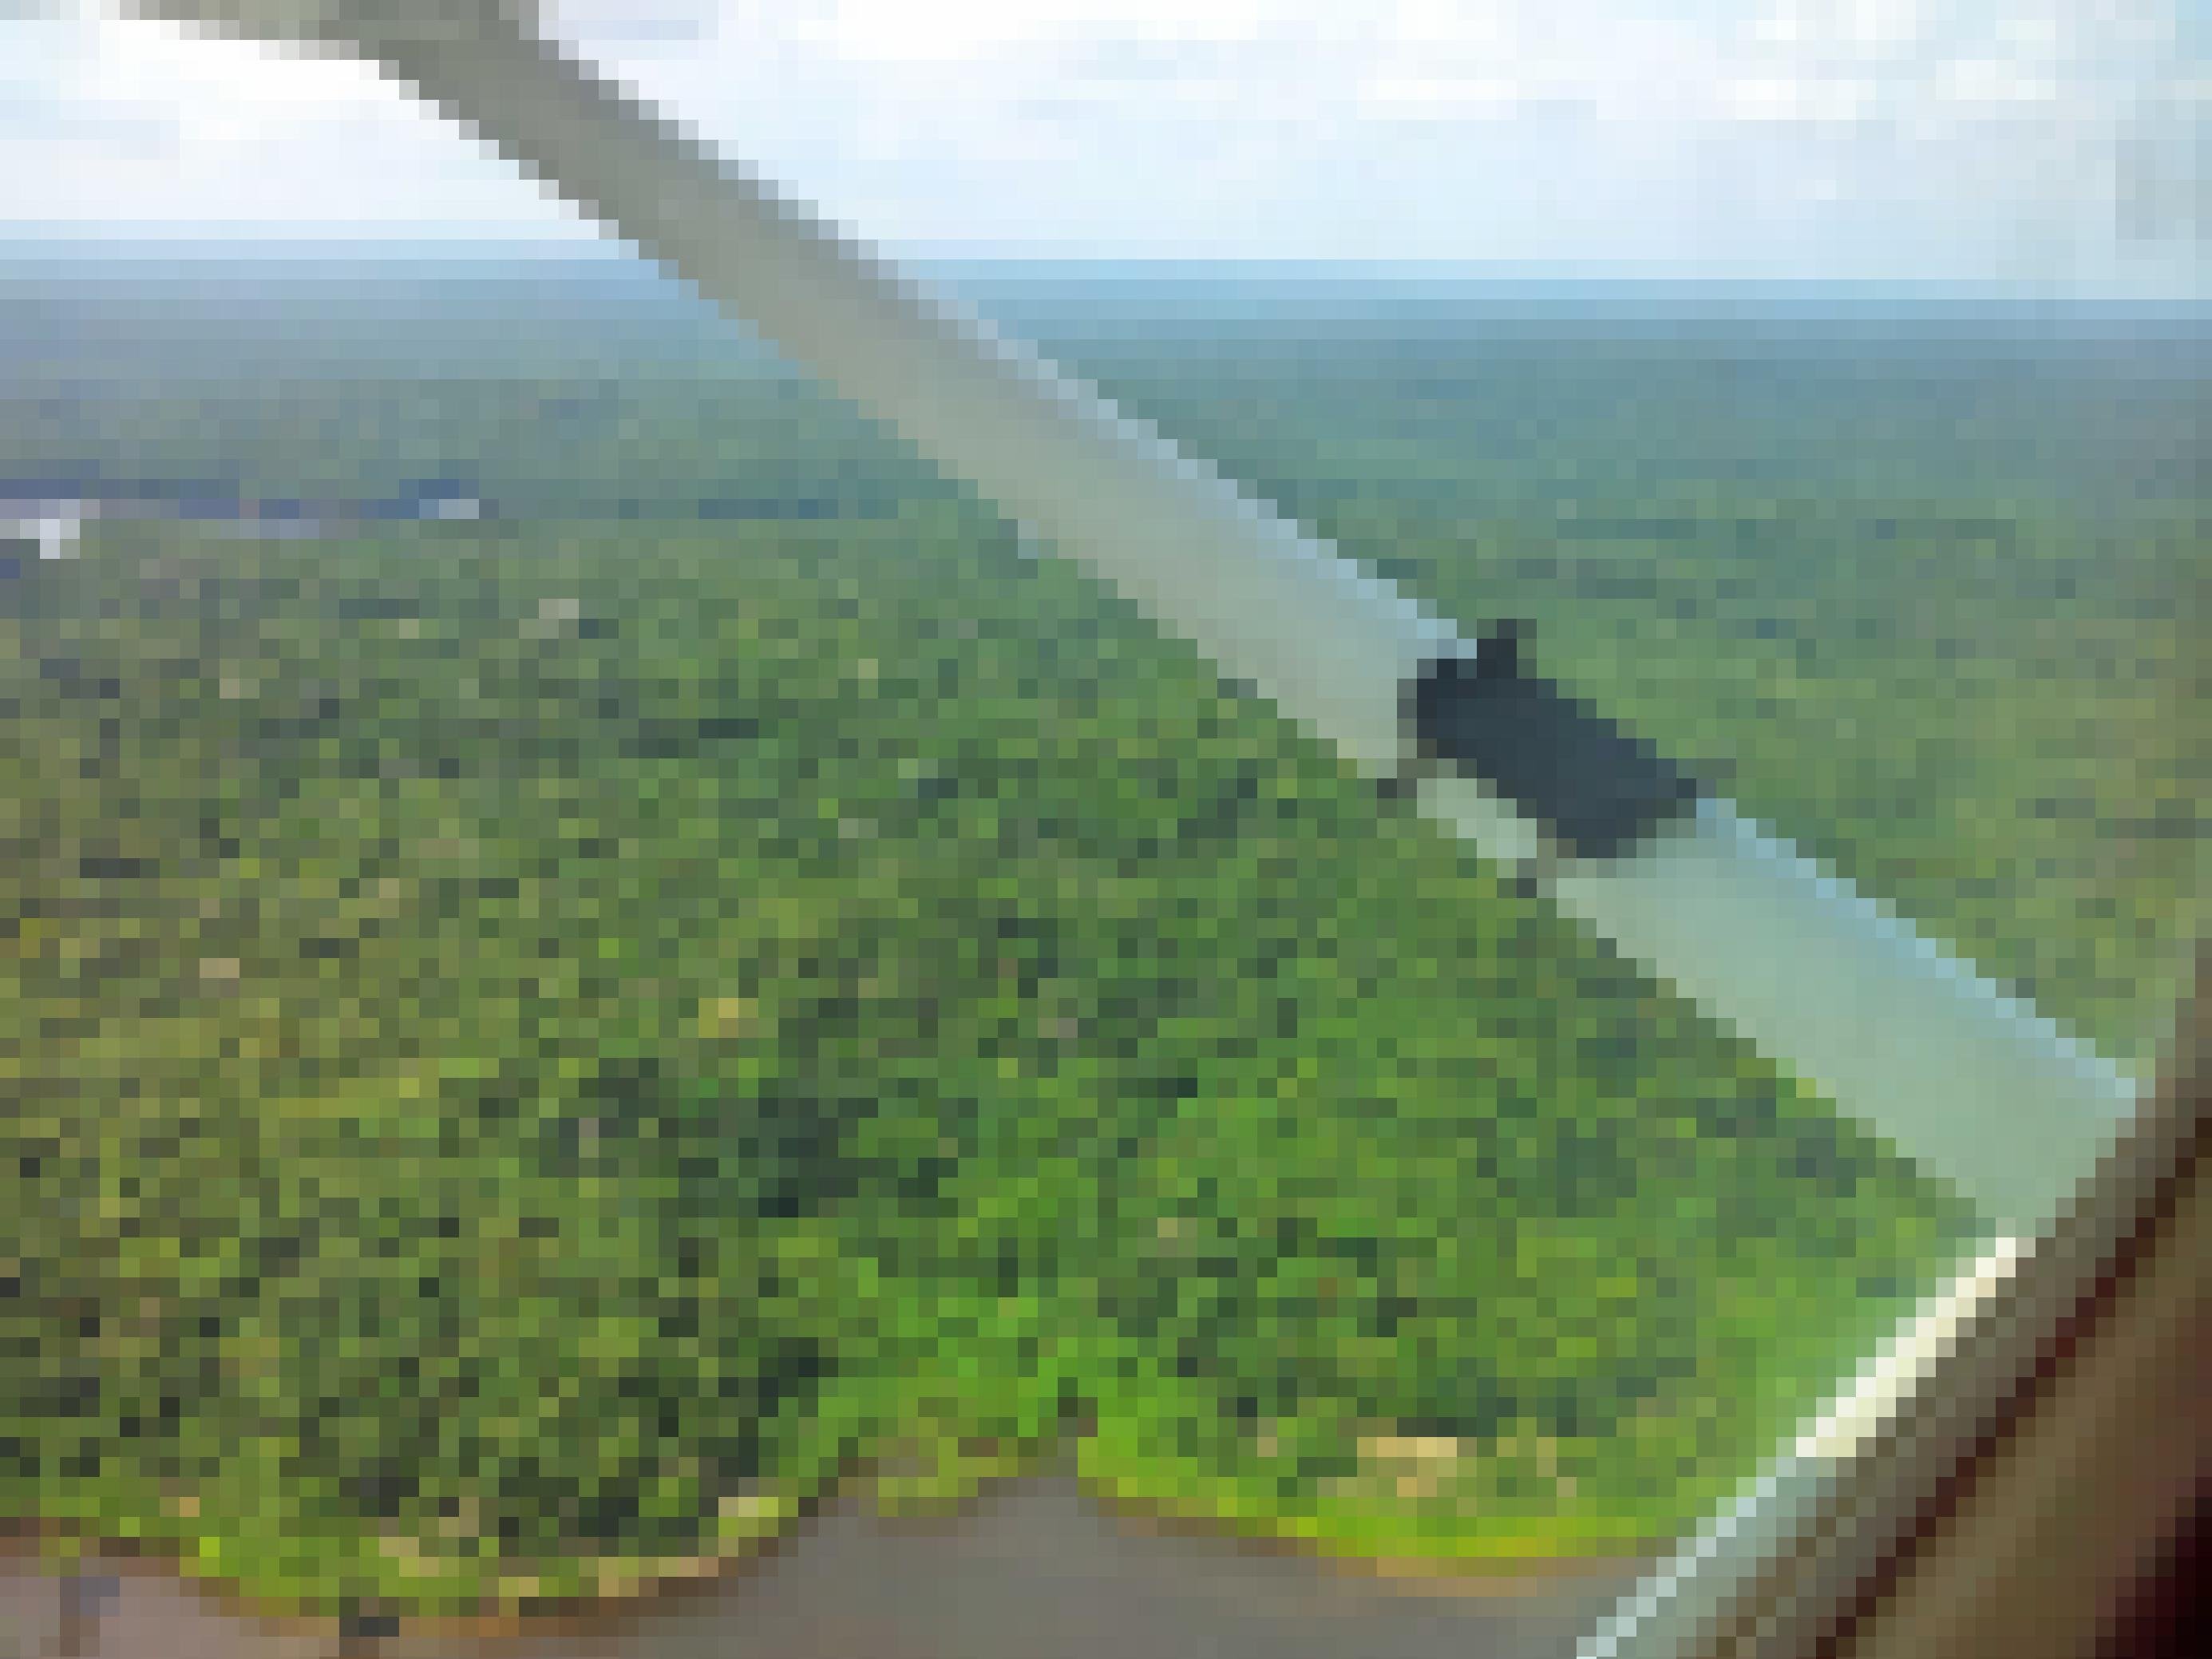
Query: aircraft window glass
595	952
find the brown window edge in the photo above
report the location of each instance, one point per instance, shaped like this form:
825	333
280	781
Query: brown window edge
2011	1496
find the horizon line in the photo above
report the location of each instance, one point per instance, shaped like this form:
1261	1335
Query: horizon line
33	241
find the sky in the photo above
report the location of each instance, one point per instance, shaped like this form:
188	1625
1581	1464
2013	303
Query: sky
2053	143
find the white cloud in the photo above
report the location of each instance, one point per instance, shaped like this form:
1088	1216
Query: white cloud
1442	96
139	122
2000	83
897	32
1800	98
1905	135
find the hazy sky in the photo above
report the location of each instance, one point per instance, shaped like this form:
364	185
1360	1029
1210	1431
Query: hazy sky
1890	138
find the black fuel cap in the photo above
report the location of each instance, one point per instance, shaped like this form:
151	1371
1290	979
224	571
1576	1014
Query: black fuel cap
1597	790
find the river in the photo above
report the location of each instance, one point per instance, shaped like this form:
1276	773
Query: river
1032	1570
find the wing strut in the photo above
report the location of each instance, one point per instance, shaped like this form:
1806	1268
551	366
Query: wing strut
1965	1079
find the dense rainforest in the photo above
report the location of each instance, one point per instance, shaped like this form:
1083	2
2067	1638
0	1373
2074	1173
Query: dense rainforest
534	1049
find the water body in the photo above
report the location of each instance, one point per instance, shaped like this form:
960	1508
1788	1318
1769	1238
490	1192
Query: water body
285	520
1034	1571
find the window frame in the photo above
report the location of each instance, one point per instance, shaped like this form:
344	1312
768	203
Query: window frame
1859	1519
